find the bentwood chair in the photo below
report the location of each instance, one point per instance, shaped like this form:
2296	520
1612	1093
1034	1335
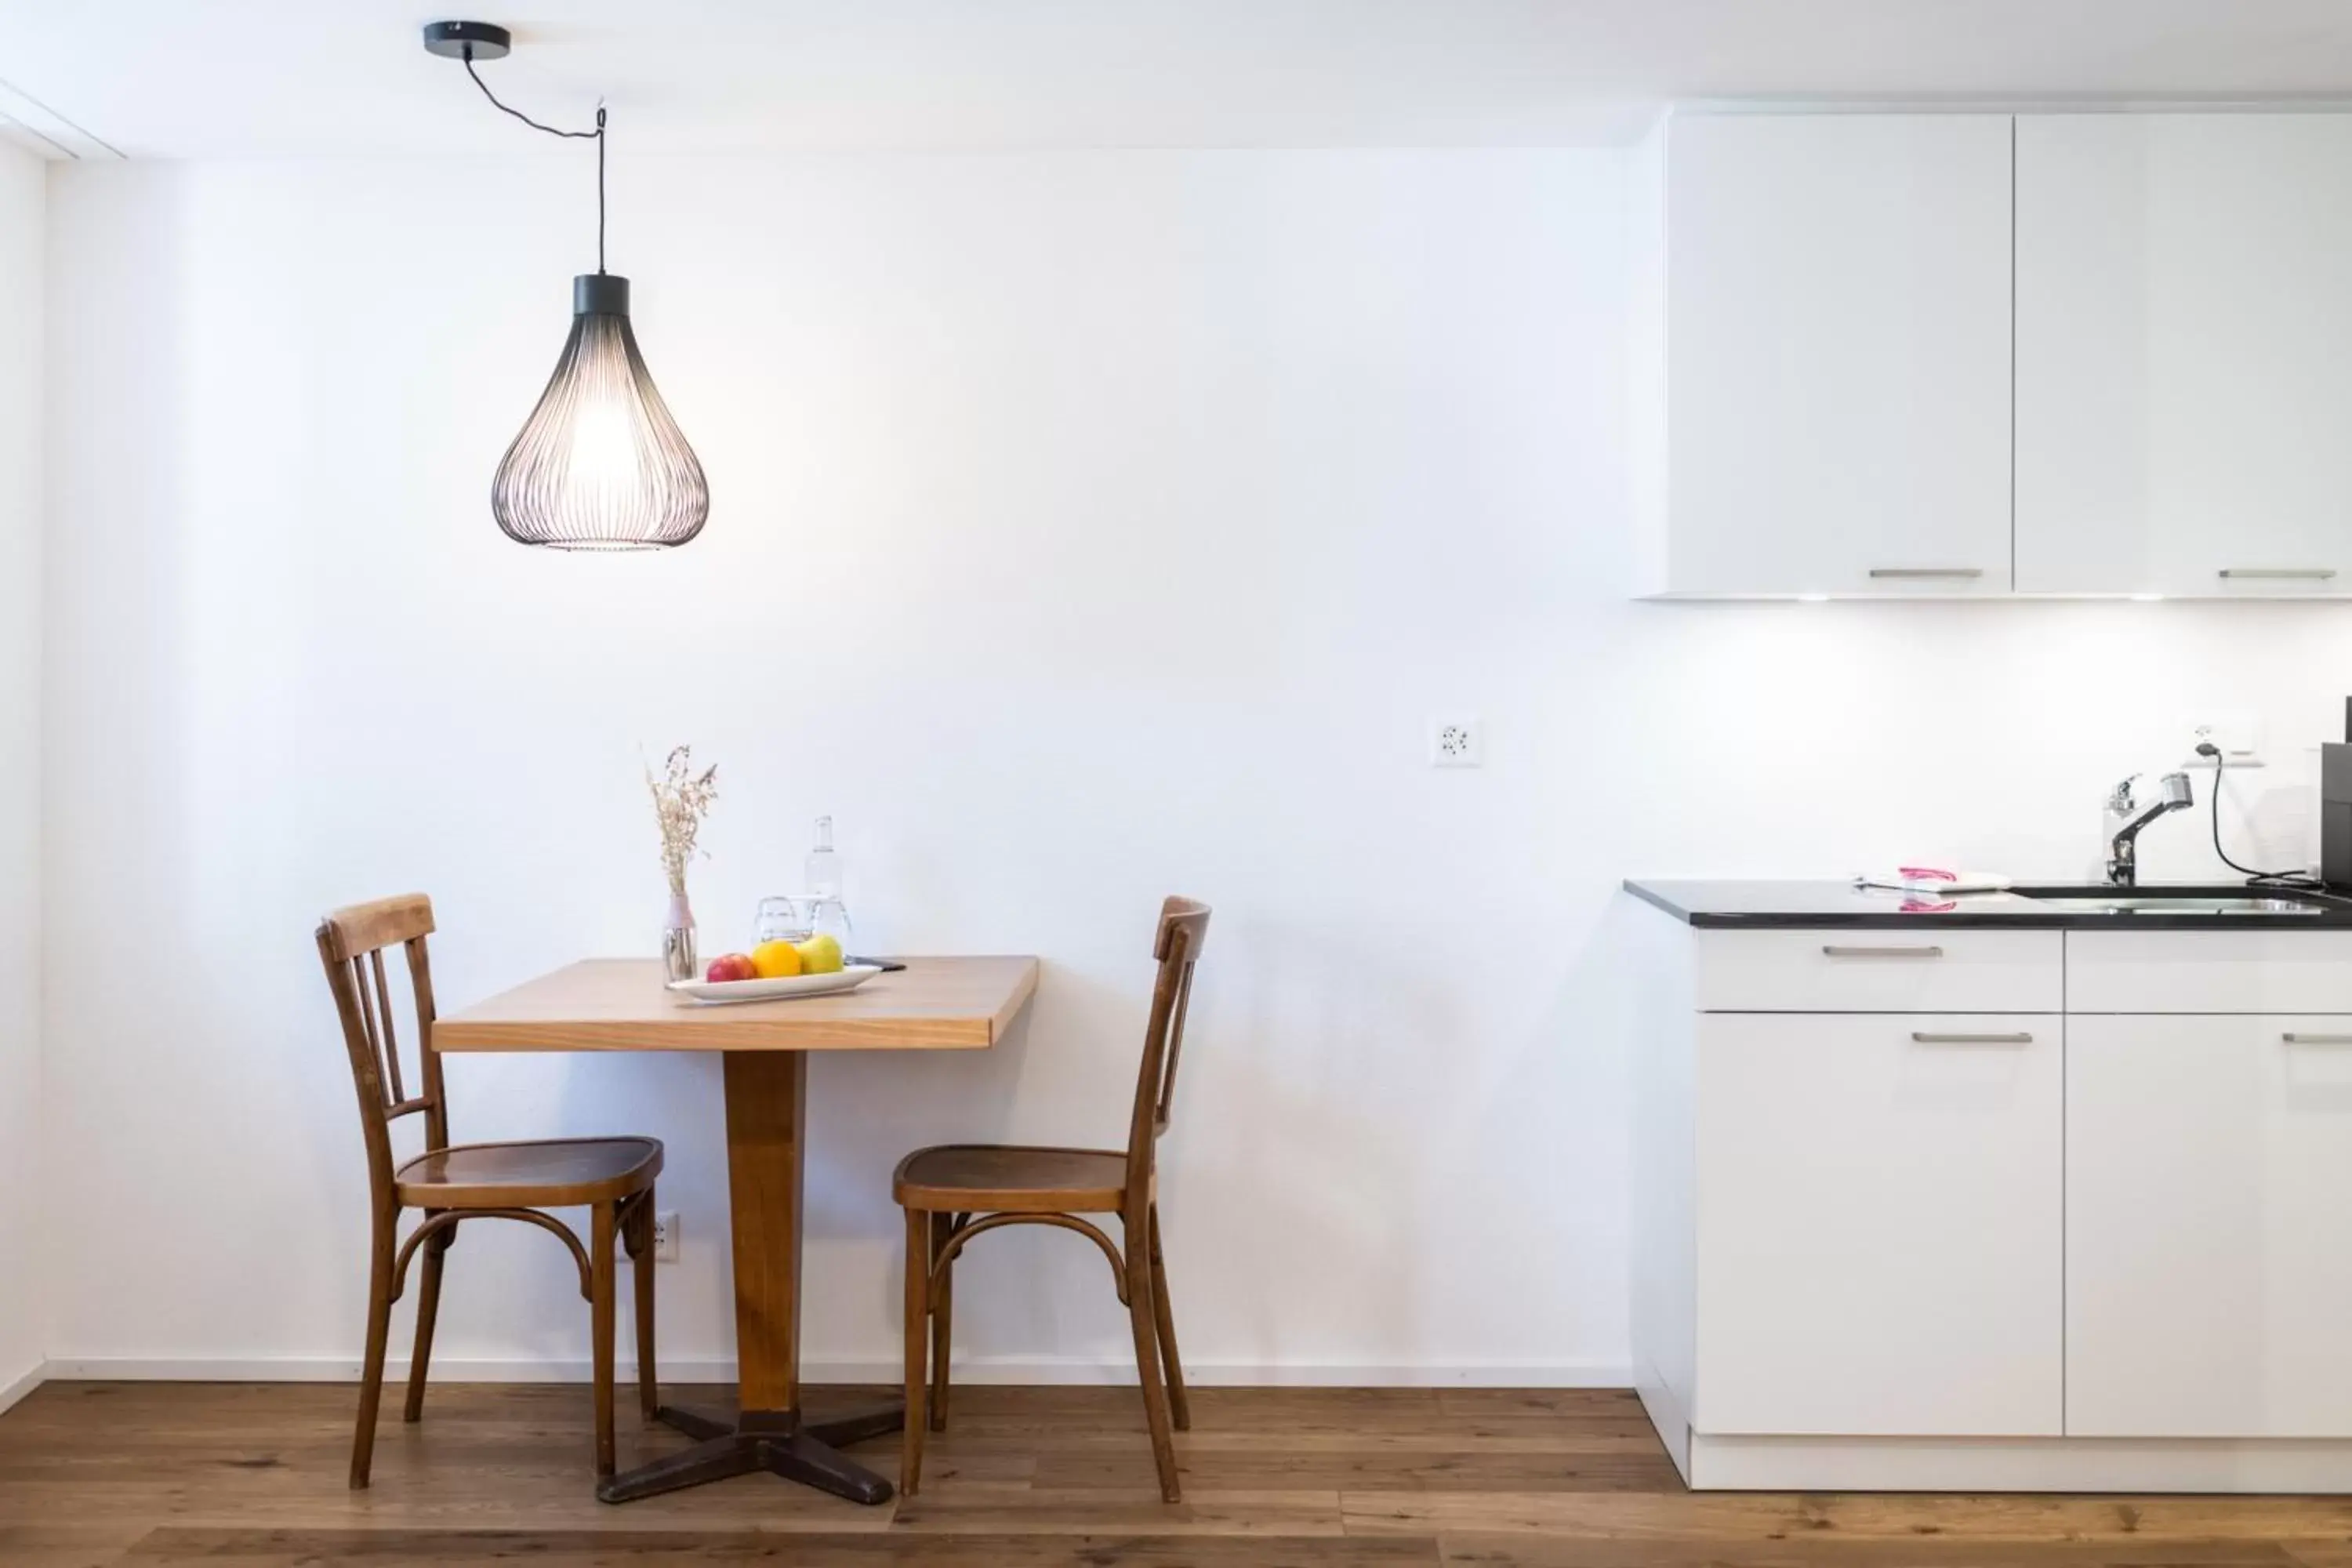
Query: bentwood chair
954	1192
612	1177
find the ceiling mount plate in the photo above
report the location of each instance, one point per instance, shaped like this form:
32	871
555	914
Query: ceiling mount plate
467	40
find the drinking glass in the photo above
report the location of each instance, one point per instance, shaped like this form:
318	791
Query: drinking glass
828	916
783	918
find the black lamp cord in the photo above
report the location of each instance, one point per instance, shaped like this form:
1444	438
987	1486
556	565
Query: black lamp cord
597	136
2270	879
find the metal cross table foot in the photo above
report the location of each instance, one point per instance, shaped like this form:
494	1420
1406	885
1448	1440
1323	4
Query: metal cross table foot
778	1442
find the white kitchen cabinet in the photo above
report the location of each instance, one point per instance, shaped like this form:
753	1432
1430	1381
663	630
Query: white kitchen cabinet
2184	354
1878	1224
2103	1250
2208	1227
1836	322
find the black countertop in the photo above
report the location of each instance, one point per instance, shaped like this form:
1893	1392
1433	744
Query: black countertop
1756	906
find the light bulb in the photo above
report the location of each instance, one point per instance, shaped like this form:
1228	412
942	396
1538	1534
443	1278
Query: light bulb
599	464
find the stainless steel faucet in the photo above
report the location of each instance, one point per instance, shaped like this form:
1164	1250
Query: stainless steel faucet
2125	817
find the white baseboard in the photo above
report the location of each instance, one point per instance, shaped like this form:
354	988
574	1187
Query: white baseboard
10	1393
978	1370
2296	1465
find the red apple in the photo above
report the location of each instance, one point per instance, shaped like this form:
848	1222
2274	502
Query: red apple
729	966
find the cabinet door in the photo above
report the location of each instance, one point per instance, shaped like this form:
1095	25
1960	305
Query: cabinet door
2184	354
1878	1199
1838	355
2208	1227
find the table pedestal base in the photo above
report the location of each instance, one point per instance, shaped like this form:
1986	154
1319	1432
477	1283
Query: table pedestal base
776	1441
767	1126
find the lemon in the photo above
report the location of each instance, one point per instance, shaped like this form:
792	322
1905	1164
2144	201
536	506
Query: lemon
776	959
820	955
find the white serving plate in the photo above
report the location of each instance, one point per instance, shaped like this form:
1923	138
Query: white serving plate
715	991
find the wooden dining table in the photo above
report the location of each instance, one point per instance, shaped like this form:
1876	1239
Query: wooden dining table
620	1004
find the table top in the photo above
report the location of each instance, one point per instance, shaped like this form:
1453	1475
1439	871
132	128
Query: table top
619	1004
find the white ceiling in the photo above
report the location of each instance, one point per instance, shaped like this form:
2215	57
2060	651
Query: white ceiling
236	77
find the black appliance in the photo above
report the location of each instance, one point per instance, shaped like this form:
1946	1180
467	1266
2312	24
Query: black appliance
2335	808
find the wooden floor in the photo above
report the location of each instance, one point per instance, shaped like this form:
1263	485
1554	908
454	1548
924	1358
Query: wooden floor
242	1475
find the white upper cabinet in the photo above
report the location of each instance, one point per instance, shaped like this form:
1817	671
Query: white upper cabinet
2184	354
1836	318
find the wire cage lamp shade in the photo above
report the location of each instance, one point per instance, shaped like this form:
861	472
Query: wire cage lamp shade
599	464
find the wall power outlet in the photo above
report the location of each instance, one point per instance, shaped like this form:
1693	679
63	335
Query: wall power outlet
2238	736
1456	742
665	1236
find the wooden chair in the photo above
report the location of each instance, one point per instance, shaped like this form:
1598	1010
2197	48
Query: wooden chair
954	1192
613	1177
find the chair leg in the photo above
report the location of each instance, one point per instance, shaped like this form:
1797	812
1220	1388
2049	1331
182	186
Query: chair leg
600	1329
641	1252
429	1312
1164	1315
1140	1313
942	1320
919	1275
379	1329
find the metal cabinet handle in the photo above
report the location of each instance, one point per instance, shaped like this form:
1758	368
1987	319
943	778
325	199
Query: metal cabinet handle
2295	1039
2297	573
1933	572
1882	952
1927	1039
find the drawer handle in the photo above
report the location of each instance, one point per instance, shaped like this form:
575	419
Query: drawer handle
2297	573
1882	952
2295	1039
1933	572
1918	1038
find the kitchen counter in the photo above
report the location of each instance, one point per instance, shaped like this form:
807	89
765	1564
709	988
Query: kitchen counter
2003	1192
1766	905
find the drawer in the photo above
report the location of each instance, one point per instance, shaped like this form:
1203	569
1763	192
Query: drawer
1833	971
2208	971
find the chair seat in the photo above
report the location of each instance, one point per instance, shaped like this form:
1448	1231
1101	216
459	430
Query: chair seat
557	1173
1000	1178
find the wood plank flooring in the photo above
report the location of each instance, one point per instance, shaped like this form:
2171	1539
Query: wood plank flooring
251	1476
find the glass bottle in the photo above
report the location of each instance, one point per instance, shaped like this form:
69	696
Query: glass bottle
822	871
828	913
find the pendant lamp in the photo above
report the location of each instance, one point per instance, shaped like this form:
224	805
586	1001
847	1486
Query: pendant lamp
599	464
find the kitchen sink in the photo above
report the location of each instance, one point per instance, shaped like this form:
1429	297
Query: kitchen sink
2122	902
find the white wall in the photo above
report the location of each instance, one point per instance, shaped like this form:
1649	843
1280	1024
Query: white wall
1087	527
23	1259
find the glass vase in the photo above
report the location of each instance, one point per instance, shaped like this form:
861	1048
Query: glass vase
677	941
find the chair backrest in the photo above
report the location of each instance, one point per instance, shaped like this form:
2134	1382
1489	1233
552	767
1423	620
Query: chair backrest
352	943
1183	927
